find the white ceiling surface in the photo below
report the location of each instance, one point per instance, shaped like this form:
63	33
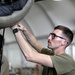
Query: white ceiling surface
61	12
43	16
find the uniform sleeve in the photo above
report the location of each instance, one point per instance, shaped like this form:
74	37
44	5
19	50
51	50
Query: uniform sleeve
62	63
47	51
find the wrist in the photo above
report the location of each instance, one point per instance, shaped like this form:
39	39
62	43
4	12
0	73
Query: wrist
16	30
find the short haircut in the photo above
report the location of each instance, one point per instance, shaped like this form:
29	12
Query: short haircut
67	32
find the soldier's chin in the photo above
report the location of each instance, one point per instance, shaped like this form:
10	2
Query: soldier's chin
49	47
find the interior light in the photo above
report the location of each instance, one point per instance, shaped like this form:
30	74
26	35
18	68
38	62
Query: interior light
57	0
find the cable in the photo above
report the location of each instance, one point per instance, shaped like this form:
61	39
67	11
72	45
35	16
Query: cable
1	53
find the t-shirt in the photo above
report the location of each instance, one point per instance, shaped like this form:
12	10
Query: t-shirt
63	64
